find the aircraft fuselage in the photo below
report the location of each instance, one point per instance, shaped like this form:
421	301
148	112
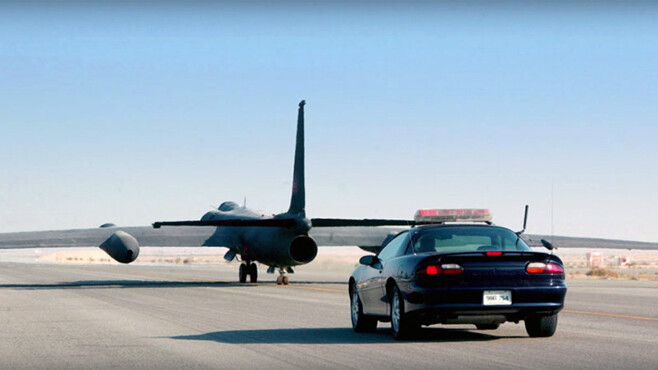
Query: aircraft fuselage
273	246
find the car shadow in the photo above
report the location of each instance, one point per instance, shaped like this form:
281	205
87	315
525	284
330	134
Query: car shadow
336	336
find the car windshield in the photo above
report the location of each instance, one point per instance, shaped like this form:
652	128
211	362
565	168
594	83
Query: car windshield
450	239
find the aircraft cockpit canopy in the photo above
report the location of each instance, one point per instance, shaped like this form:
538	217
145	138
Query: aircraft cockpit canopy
228	206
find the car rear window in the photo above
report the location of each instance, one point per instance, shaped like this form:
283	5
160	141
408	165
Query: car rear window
449	239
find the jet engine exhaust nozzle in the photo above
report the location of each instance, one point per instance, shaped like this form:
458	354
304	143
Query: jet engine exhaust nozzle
303	249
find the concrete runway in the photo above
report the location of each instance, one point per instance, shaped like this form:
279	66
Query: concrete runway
146	316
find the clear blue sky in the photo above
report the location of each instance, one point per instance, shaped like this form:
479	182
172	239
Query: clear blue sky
132	113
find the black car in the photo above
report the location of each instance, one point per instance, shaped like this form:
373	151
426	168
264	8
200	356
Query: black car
457	274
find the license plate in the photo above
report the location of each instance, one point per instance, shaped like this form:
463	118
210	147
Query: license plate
497	297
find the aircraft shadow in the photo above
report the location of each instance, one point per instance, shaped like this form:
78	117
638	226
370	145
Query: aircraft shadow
317	283
336	336
113	284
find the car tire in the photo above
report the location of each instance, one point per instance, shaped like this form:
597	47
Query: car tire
541	326
487	326
361	323
401	324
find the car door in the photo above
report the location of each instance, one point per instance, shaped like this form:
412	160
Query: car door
374	288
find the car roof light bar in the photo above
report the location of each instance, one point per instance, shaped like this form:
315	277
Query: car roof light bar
452	215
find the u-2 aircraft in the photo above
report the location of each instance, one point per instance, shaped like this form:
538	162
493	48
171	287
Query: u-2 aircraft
280	241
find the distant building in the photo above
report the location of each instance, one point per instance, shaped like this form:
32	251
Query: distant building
594	259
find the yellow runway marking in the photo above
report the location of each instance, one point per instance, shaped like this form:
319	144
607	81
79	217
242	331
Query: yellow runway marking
317	289
612	315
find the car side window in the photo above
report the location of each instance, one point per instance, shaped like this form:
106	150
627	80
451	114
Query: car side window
395	247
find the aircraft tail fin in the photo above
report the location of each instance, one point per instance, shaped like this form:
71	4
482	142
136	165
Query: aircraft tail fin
298	198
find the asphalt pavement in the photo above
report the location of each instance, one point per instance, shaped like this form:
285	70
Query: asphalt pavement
197	316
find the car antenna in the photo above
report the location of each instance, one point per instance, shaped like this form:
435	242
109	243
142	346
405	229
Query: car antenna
552	204
525	221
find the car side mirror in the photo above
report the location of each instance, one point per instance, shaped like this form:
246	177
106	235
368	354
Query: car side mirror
368	260
547	244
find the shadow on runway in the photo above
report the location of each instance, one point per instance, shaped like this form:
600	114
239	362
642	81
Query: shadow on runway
113	284
336	336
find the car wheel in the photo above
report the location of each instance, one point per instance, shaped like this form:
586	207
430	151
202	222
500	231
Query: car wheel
541	326
360	322
401	324
487	326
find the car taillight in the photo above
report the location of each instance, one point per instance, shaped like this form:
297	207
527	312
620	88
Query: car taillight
552	268
544	268
451	269
494	253
445	269
432	270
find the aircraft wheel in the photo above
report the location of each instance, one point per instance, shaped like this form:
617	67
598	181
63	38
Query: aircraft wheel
243	273
253	273
279	280
285	280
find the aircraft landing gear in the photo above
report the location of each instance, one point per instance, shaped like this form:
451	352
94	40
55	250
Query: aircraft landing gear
253	273
248	268
282	278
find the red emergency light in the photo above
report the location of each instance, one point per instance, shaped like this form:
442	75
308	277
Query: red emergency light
452	215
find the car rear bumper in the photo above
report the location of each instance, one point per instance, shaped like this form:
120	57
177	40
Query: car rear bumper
465	305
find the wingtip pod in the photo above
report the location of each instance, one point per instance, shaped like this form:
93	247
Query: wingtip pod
121	246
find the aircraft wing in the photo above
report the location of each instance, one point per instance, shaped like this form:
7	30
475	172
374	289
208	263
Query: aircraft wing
195	236
147	236
361	236
371	238
590	243
182	236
